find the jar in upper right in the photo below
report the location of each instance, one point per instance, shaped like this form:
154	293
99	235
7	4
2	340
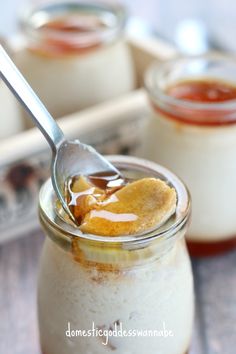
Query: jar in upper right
192	131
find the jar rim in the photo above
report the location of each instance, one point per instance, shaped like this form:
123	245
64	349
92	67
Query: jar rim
155	71
169	229
112	16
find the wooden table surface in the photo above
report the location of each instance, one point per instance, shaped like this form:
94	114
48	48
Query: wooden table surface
215	284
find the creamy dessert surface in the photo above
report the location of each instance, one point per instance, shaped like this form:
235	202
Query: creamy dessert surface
132	208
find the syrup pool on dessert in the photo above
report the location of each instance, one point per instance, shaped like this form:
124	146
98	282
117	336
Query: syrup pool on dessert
125	263
75	55
103	207
192	131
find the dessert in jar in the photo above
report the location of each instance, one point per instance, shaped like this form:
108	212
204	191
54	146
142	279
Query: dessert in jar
117	271
192	131
75	55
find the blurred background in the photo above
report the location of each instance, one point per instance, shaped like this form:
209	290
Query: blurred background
194	27
208	23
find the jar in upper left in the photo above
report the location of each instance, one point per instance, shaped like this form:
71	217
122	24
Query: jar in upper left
75	55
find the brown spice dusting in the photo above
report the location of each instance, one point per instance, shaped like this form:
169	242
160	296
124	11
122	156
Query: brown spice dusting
121	210
80	257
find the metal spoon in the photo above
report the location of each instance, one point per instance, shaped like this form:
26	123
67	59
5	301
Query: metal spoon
68	157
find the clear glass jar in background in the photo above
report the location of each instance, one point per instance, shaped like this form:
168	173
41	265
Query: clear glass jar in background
197	140
128	282
75	55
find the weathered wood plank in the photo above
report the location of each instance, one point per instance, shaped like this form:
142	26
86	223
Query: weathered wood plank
216	292
18	278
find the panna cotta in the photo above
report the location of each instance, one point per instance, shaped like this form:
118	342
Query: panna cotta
75	55
120	280
192	131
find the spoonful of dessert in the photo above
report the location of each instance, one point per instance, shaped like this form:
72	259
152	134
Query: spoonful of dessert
68	157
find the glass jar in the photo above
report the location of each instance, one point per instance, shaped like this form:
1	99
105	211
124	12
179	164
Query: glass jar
75	55
124	283
197	140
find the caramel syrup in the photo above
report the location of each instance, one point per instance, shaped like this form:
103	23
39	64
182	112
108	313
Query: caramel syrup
108	181
205	92
56	40
101	185
207	249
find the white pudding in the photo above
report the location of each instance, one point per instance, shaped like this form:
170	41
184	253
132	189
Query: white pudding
204	158
192	131
72	83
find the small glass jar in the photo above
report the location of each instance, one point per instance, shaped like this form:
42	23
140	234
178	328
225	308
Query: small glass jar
75	55
197	140
124	283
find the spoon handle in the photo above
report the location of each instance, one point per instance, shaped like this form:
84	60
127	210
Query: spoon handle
30	101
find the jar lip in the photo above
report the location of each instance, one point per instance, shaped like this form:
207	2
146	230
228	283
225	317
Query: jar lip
169	229
112	17
155	71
